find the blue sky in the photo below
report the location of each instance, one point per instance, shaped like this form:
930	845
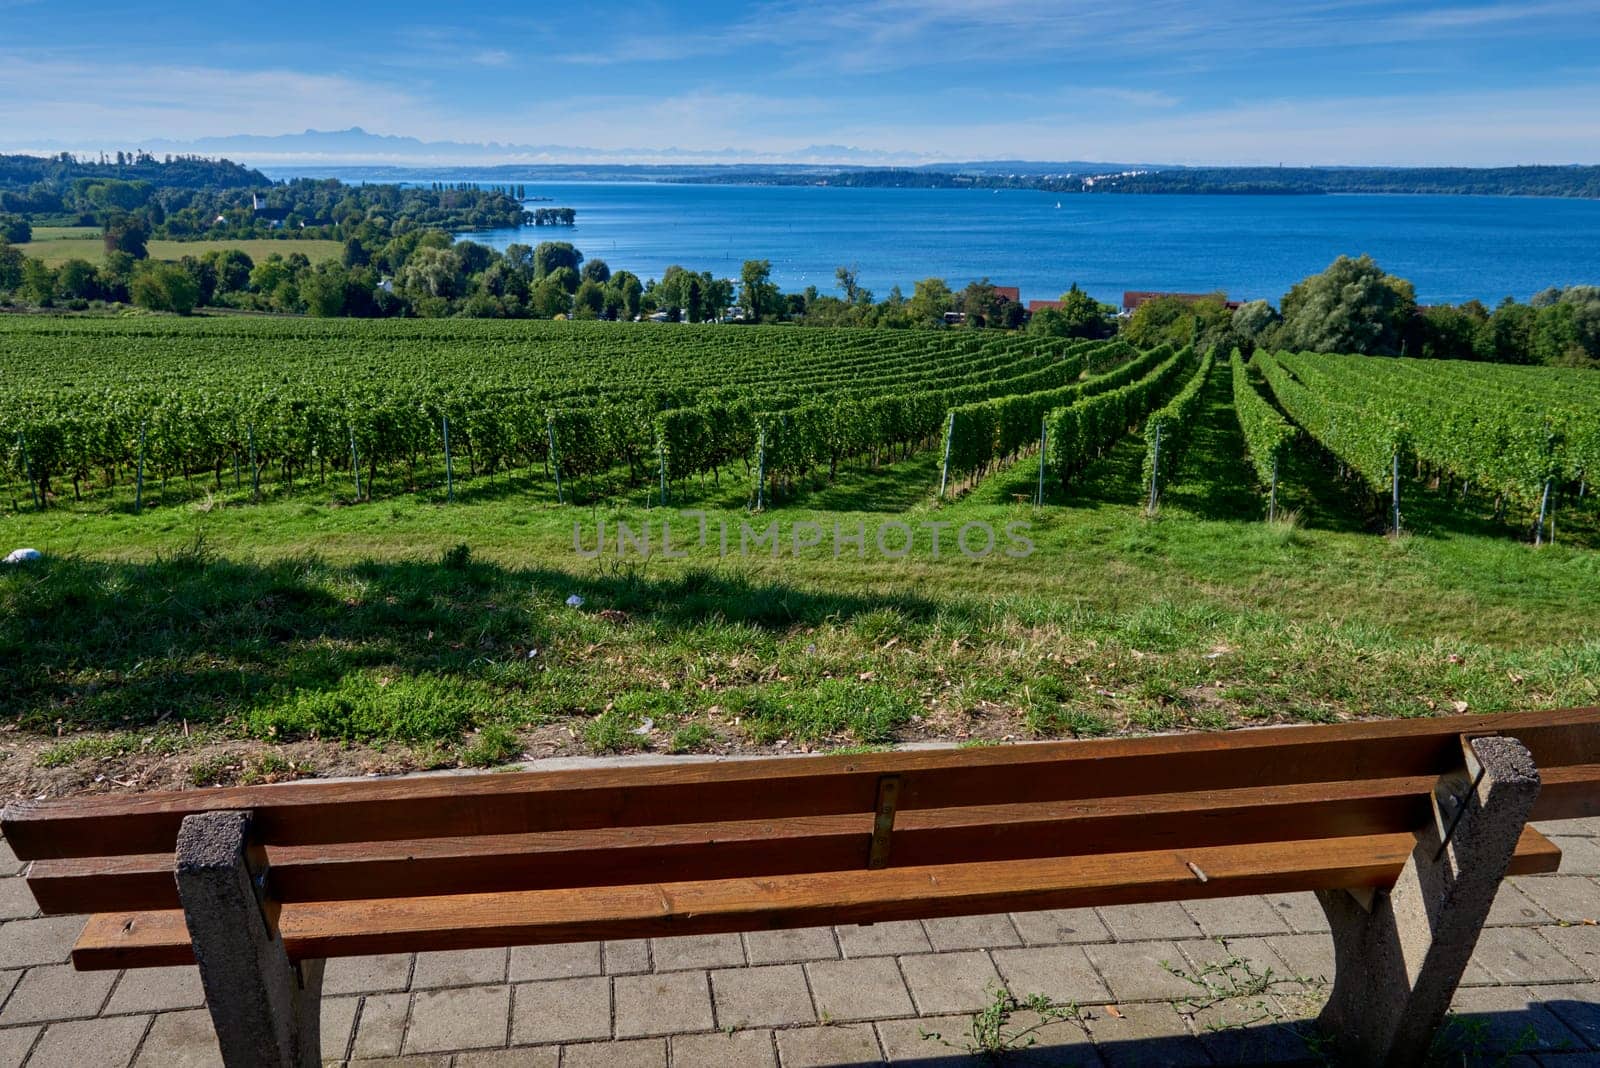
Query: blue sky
1249	81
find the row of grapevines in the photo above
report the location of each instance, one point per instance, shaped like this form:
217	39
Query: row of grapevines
1267	434
1169	430
1083	430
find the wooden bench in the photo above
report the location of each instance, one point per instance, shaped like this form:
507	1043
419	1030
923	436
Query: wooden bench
1403	828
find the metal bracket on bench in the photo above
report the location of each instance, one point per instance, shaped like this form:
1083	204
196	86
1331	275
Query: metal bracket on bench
1399	959
266	1009
883	821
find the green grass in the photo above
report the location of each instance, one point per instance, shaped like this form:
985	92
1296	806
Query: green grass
56	245
370	625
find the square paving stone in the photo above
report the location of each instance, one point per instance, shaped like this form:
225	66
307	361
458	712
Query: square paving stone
24	943
1301	911
1588	827
770	996
882	939
828	1047
461	1018
1137	971
661	1004
543	1057
56	992
15	1042
1236	917
950	982
1577	1006
1571	898
1146	1036
1519	955
1582	944
367	975
381	1025
1307	956
971	932
1506	1018
625	956
8	983
1061	973
561	1010
1235	1034
1158	920
104	1043
1057	926
787	947
742	1049
9	864
180	1040
460	967
416	1061
640	1053
157	990
1513	908
16	902
1579	856
338	1019
567	961
867	989
697	951
1256	956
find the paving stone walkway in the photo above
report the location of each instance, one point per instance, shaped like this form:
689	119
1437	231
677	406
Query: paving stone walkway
845	995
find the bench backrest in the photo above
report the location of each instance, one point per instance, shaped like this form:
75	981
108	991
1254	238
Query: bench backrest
625	825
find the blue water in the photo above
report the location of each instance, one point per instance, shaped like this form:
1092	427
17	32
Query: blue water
1451	248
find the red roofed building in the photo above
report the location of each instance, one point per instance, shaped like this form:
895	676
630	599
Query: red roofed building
1041	305
1010	293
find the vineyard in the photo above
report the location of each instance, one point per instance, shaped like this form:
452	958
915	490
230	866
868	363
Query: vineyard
116	410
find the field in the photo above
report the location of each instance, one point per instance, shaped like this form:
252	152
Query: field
260	618
56	245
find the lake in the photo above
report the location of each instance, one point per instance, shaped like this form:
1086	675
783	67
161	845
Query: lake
1452	248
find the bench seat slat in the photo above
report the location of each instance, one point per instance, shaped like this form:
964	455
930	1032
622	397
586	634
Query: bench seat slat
312	813
533	917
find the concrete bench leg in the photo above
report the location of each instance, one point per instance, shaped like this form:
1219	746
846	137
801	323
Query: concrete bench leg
266	1010
1399	954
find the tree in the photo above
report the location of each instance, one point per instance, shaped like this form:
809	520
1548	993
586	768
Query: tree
127	233
322	291
590	300
355	253
980	302
233	269
78	280
38	283
848	279
624	294
1353	306
930	300
1252	323
1174	321
1080	315
596	271
758	297
10	267
165	287
553	255
15	230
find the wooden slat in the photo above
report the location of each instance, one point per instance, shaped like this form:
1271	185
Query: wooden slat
618	856
310	813
535	917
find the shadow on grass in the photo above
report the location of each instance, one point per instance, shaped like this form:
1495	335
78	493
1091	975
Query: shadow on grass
188	637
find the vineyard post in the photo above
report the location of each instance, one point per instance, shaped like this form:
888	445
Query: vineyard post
661	463
1044	440
1544	508
27	467
138	479
1272	494
761	468
1155	471
944	471
355	458
555	461
255	465
1394	480
449	475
